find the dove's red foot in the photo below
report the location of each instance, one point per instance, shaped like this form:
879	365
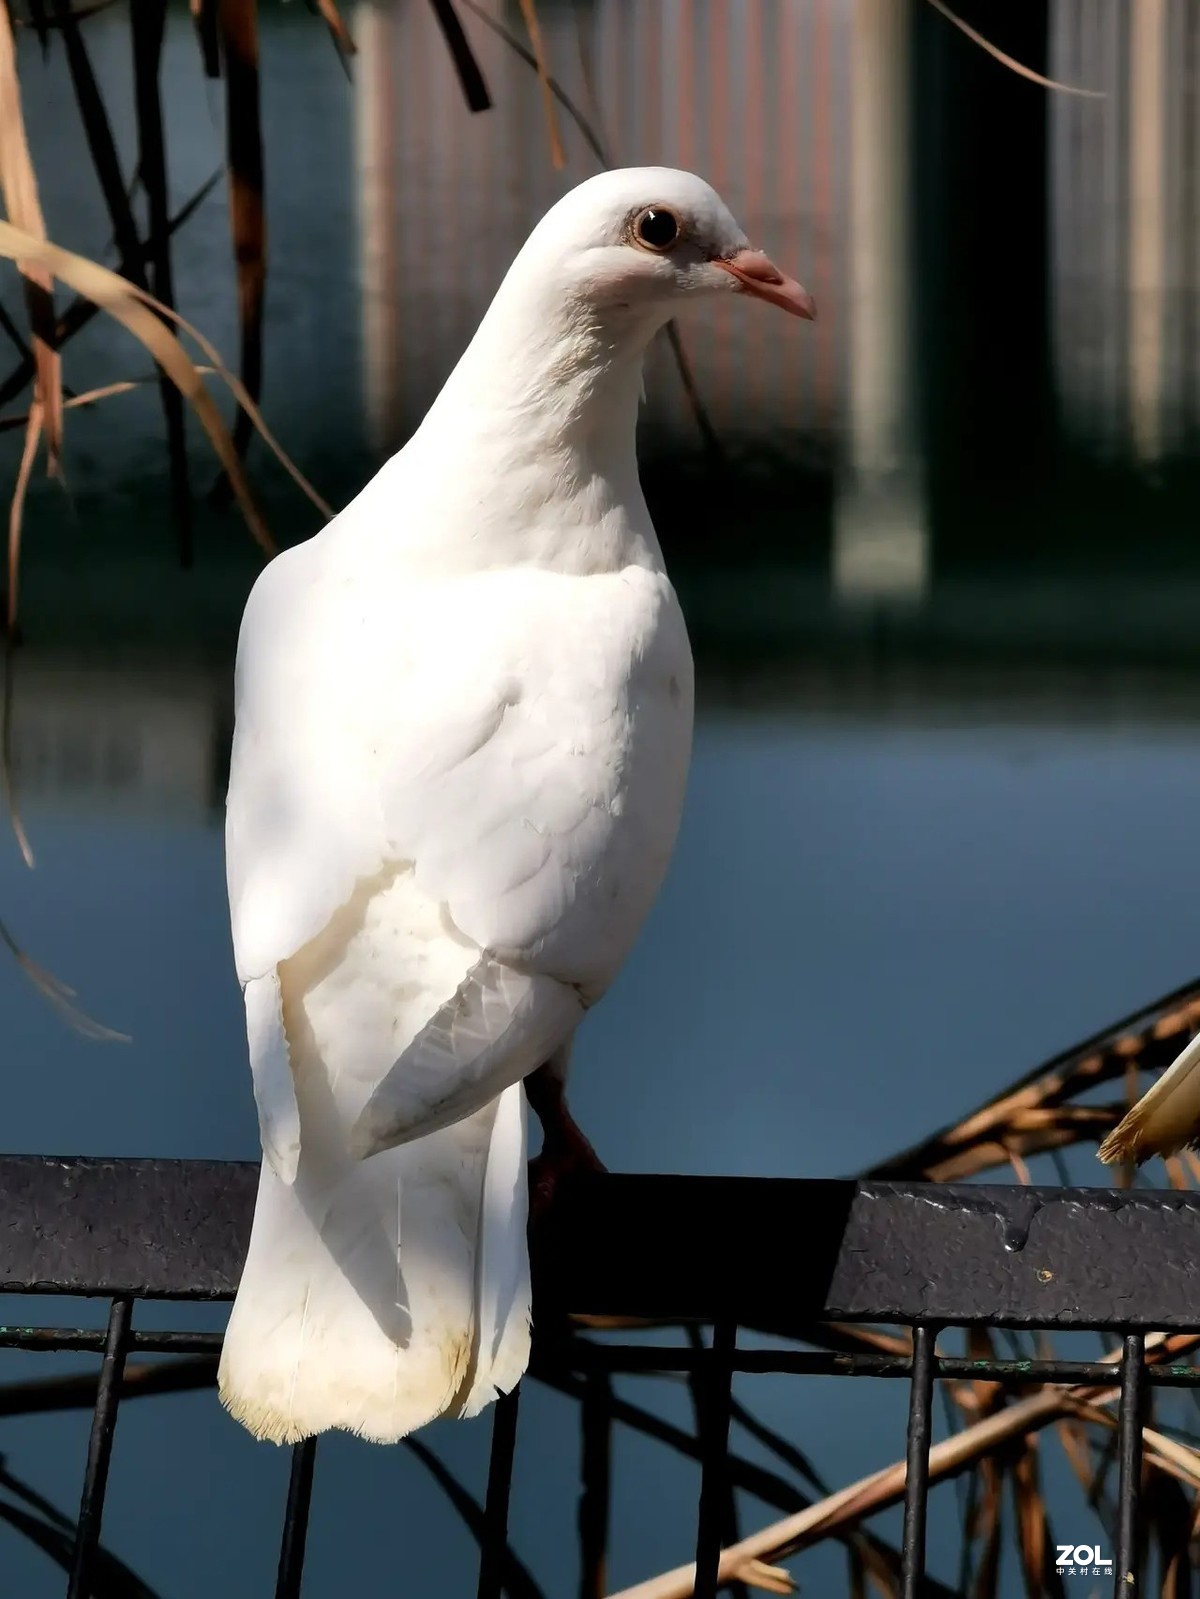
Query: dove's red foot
565	1150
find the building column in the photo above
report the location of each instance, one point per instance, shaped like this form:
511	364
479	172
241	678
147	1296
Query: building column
881	538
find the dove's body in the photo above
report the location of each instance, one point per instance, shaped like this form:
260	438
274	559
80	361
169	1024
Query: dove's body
522	815
463	723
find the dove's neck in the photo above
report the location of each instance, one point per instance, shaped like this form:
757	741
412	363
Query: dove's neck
532	441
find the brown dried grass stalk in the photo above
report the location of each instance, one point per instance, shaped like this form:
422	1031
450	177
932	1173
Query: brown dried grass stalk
238	27
19	189
1013	65
142	315
881	1489
533	28
18	186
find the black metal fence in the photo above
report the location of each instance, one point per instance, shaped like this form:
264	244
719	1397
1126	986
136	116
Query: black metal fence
682	1249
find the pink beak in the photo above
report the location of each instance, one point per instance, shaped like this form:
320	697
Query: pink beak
758	275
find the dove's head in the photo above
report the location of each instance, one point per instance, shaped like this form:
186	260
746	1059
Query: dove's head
649	239
556	363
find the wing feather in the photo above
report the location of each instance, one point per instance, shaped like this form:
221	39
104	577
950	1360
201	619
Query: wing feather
499	1026
270	1064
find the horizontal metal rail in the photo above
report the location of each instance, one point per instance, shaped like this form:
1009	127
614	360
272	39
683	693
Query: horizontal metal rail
621	1359
703	1248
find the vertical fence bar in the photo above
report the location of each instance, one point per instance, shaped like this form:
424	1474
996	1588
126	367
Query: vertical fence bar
295	1520
1127	1576
916	1477
717	1391
595	1472
499	1490
104	1420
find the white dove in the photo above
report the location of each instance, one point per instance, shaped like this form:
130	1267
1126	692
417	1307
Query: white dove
463	726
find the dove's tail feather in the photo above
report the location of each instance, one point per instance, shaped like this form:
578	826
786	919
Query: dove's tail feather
1165	1118
378	1294
392	1297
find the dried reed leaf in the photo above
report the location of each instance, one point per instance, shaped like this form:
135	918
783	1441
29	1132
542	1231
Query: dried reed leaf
884	1488
593	140
135	310
101	144
77	1390
204	16
978	1396
47	1529
987	1156
881	1566
147	20
886	1343
987	1573
238	21
1006	60
16	511
747	1476
338	30
516	1580
782	1448
622	1323
857	1577
1033	1537
767	1579
533	29
1073	1439
1179	1460
45	24
80	311
470	77
239	393
6	760
1176	1175
1020	1169
18	186
1032	1115
106	391
59	995
38	21
1126	1173
986	1528
126	303
1167	1510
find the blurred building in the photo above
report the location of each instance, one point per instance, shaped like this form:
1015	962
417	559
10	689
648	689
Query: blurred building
1125	186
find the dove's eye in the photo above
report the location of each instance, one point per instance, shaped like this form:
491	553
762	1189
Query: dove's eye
656	228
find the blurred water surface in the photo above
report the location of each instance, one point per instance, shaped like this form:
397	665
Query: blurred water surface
942	580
